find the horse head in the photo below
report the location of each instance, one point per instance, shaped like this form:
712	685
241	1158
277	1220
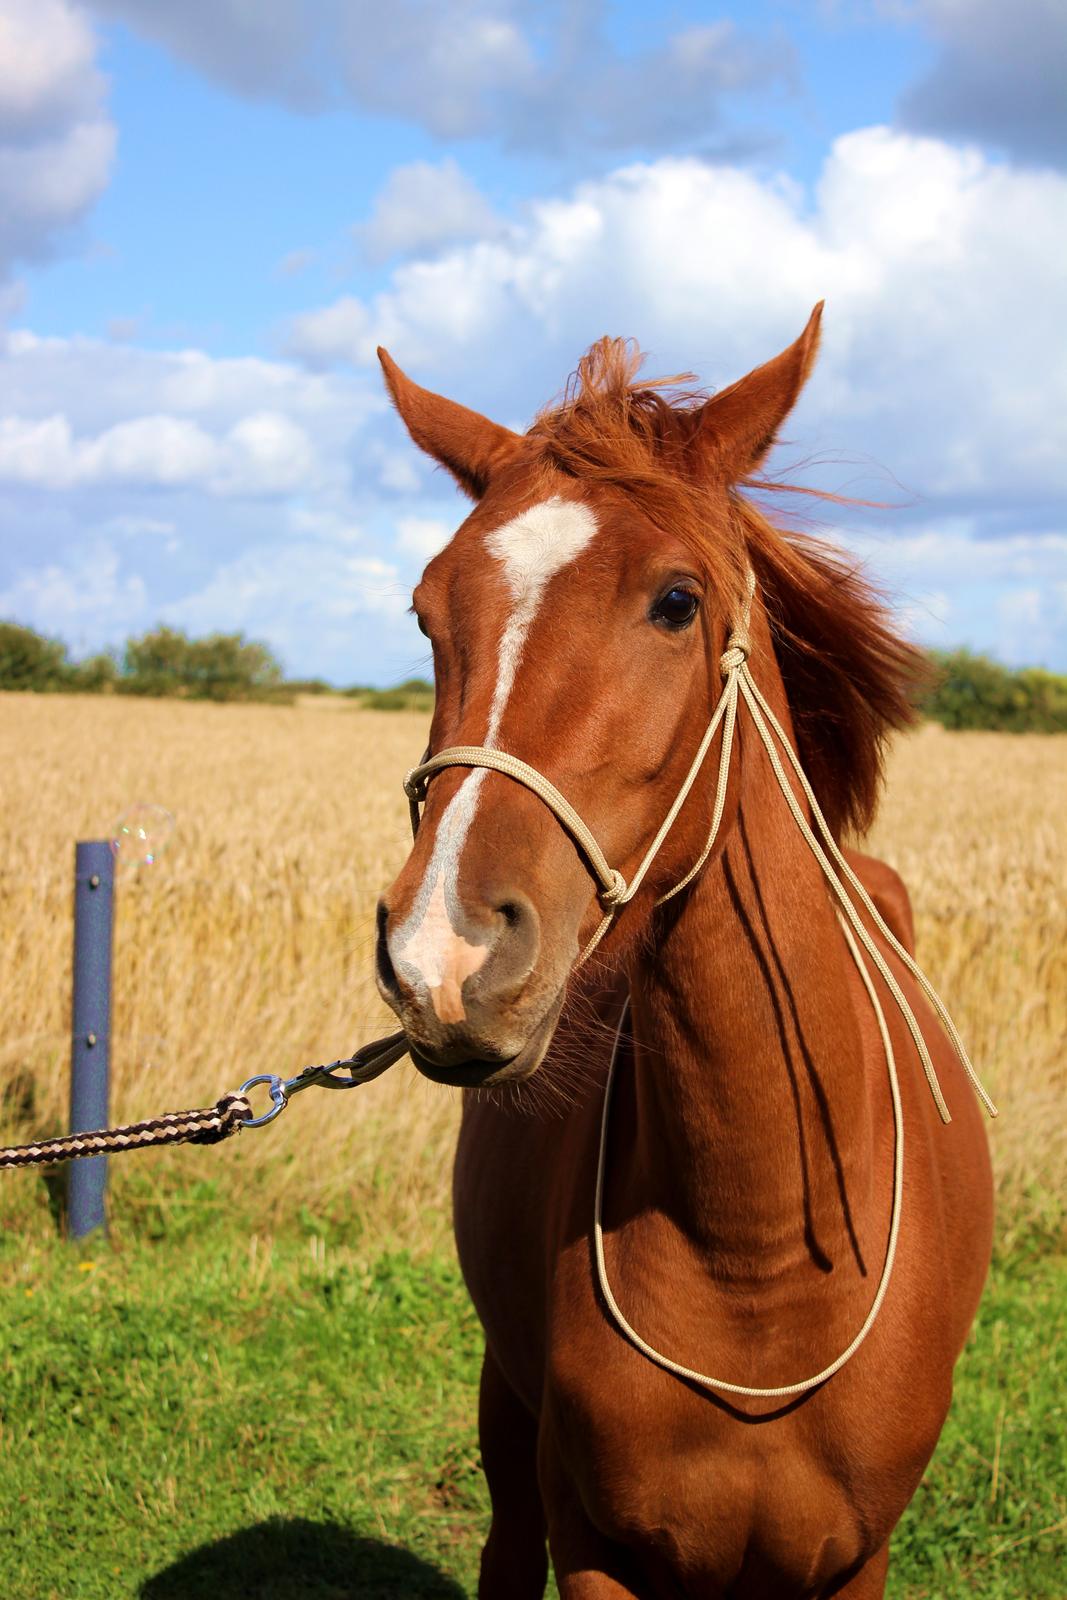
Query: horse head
578	618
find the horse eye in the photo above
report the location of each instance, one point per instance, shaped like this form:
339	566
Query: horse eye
677	608
423	629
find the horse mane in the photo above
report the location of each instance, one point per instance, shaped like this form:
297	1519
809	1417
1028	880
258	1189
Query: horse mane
849	676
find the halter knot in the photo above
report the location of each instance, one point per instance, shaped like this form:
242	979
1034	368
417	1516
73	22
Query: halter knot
738	647
612	895
414	786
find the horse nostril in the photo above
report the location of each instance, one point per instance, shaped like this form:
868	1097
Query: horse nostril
515	943
382	959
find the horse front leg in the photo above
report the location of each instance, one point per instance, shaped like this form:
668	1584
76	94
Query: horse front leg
868	1583
588	1566
514	1559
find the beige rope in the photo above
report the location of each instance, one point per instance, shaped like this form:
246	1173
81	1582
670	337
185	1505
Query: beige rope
210	1124
612	883
781	1391
615	892
752	694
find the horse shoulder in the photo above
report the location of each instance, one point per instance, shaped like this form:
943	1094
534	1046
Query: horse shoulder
886	888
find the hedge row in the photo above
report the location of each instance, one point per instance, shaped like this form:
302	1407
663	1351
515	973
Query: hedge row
221	666
967	690
971	691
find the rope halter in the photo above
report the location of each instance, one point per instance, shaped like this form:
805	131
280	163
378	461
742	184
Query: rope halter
614	892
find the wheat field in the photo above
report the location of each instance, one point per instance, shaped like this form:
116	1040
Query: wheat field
248	946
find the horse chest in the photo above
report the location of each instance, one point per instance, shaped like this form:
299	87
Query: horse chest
707	1509
708	1498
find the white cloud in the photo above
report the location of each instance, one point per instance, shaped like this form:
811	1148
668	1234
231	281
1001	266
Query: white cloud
264	453
47	66
131	527
174	418
86	588
398	470
155	449
295	579
56	139
295	262
999	78
423	536
123	329
101	383
331	526
315	604
548	78
338	330
270	451
940	269
1004	596
136	484
422	207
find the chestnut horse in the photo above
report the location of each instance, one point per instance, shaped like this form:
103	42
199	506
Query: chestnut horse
584	620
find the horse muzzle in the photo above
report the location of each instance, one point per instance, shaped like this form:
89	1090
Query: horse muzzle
472	999
456	1063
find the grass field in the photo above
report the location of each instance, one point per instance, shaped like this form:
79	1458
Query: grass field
263	1384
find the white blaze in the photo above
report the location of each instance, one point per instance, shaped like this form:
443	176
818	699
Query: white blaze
429	948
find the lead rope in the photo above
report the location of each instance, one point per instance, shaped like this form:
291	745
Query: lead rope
210	1124
615	892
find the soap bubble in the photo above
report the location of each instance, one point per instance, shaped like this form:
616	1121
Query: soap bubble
141	835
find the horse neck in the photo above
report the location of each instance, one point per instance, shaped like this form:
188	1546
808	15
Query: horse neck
753	1129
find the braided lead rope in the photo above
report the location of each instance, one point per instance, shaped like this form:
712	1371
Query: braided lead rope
211	1124
780	1391
204	1125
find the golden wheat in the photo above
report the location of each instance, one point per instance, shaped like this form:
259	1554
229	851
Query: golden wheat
248	947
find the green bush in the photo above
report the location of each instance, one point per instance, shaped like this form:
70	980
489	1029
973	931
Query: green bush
309	686
95	675
972	691
30	661
165	661
155	664
414	694
221	666
966	690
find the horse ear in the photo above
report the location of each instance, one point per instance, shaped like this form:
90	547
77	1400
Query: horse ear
738	425
466	443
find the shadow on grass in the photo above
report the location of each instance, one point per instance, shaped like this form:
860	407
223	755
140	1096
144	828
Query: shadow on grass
294	1559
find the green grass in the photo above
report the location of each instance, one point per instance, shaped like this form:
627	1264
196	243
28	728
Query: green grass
210	1414
990	1517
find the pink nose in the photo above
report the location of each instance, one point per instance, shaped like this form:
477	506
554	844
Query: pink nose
459	986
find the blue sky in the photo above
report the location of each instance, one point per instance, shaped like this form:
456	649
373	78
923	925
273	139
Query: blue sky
213	212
